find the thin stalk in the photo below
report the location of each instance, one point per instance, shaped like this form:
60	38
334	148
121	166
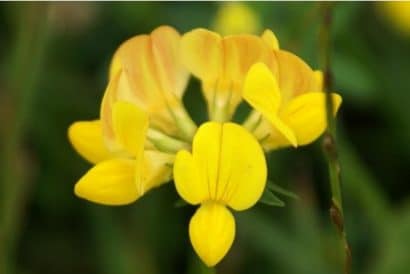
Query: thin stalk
329	141
24	67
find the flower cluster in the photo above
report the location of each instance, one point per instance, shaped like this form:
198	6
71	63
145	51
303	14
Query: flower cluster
145	137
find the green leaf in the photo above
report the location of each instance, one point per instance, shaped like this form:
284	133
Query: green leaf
278	189
268	198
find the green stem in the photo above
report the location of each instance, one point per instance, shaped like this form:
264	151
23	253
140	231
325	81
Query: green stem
26	63
329	142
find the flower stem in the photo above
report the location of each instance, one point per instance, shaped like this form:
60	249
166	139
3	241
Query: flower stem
329	142
23	71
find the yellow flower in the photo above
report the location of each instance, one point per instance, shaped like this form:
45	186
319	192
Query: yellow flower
221	63
398	13
146	71
120	177
236	18
290	100
226	168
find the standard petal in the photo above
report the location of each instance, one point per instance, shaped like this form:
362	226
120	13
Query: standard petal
86	138
110	183
240	53
190	186
294	76
270	39
202	53
130	125
306	115
212	232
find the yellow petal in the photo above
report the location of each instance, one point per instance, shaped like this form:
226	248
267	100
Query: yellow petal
284	130
212	231
115	65
261	90
317	81
201	52
130	125
227	165
86	138
110	183
189	185
242	171
270	39
306	115
156	170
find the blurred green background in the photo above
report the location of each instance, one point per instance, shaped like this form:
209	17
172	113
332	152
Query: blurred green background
53	69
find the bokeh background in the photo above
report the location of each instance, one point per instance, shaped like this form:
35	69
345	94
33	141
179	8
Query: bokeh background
53	69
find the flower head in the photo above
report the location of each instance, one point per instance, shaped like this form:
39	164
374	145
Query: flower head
226	168
290	99
119	177
146	71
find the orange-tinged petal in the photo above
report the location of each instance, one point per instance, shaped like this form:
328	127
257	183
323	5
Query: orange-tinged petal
202	54
240	53
86	137
212	232
294	75
110	183
165	48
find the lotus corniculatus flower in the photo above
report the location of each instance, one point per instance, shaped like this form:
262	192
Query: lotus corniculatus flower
143	122
145	137
288	98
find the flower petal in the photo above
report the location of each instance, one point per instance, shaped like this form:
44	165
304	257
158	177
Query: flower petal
152	77
242	168
86	138
270	39
306	115
110	182
130	125
294	76
240	53
165	49
189	185
202	53
261	90
212	232
156	170
227	165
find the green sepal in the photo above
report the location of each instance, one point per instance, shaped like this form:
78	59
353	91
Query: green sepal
278	189
268	198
